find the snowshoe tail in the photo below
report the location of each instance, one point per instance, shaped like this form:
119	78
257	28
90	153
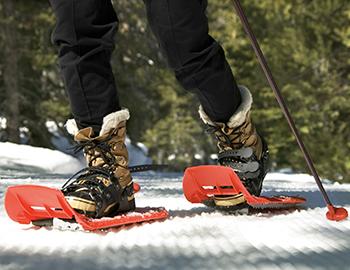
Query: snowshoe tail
202	183
27	204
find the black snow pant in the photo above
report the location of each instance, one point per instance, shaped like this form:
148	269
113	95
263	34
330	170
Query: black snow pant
85	31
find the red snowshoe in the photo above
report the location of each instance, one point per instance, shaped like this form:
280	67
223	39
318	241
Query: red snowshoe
39	205
202	183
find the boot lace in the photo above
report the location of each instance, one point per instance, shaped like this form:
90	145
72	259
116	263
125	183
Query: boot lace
97	149
86	172
234	138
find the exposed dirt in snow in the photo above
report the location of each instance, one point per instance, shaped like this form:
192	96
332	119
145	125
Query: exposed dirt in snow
195	237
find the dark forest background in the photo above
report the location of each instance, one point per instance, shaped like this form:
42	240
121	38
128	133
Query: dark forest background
307	43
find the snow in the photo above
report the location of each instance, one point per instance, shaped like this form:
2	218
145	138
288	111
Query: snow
194	237
28	157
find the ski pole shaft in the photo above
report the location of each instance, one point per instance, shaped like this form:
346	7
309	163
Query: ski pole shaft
279	97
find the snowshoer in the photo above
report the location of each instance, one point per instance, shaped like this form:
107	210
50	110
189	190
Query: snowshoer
84	33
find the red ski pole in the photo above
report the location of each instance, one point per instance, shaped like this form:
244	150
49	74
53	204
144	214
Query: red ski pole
333	213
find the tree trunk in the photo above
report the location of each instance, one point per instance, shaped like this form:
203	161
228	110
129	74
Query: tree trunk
11	70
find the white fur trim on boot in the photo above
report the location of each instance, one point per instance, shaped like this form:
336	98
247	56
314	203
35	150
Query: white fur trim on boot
110	121
239	116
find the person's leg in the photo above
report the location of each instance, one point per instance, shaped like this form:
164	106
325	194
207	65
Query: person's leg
84	33
198	61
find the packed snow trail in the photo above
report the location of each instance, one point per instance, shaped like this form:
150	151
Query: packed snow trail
195	237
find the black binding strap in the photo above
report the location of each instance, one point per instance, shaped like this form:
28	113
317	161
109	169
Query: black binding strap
147	167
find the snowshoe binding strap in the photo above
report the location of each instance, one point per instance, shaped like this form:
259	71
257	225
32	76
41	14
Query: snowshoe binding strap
148	167
243	153
97	190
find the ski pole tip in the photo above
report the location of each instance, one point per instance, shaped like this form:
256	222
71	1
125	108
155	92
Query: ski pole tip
336	213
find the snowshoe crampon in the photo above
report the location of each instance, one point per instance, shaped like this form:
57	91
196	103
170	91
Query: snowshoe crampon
27	204
202	183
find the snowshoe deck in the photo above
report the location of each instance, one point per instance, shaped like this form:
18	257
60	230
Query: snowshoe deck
202	183
27	204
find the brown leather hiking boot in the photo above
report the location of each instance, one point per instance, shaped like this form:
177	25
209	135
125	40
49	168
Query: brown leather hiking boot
241	148
105	187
